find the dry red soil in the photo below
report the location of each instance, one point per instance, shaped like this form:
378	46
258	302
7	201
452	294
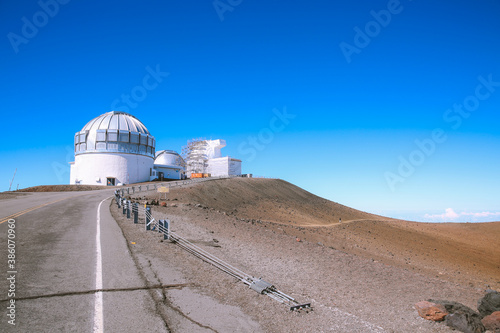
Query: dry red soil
362	275
462	252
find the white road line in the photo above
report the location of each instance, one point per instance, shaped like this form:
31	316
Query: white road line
98	305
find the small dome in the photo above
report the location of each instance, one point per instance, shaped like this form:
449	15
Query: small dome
115	132
169	158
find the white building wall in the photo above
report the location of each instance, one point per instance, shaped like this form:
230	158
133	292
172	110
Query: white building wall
72	172
234	167
95	168
168	172
224	166
218	167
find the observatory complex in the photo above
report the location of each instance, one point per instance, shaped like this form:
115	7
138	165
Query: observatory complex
116	149
204	156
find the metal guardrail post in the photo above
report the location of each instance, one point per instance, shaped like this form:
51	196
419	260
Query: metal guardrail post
128	209
148	214
166	232
124	204
135	209
164	227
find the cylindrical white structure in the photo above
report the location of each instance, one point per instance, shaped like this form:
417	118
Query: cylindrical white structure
170	158
97	169
114	148
168	164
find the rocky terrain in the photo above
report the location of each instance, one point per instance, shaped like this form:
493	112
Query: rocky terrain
464	252
363	274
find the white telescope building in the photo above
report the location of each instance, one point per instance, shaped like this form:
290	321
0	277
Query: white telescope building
204	156
114	148
168	164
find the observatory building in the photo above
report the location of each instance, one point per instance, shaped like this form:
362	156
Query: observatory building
168	164
116	148
204	156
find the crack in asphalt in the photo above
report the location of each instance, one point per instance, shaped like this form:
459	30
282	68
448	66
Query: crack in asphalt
142	275
93	291
166	301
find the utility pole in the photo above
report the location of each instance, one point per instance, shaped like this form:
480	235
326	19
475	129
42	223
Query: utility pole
10	185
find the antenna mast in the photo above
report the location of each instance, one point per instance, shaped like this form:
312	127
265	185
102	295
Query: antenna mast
10	185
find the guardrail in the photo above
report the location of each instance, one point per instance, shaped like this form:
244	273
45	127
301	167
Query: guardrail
163	226
172	184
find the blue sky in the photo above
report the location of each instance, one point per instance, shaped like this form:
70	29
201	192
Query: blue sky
391	107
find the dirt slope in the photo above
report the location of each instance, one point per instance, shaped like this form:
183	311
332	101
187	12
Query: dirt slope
463	252
271	200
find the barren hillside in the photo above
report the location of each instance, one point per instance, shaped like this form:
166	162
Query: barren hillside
271	200
461	252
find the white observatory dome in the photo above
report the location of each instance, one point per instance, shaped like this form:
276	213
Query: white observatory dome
114	148
169	157
117	132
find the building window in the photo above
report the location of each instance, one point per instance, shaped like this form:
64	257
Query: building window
83	137
134	138
133	148
112	146
124	136
113	135
101	135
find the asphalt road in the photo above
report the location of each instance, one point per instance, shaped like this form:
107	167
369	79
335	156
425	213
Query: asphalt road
66	247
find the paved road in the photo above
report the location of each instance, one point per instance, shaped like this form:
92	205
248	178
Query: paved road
30	201
58	268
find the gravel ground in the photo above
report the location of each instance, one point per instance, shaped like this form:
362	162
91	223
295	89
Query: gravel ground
348	293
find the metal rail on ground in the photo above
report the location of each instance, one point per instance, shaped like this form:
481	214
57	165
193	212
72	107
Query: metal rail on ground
163	226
